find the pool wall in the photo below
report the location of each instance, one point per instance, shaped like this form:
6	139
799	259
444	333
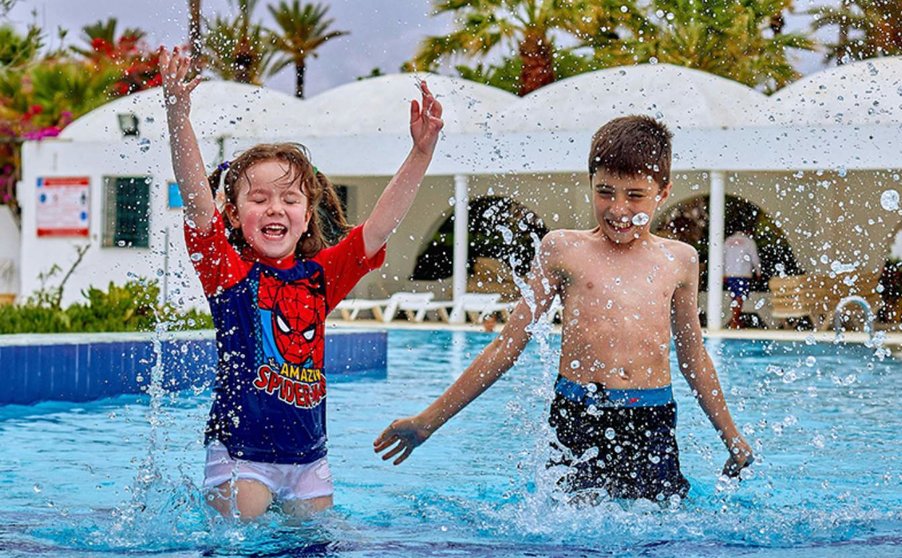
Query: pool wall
85	367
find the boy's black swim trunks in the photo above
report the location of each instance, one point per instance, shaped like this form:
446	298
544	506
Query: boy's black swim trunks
633	432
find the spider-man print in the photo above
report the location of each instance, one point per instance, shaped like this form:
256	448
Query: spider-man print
296	318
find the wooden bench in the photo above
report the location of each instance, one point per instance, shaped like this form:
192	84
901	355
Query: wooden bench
816	296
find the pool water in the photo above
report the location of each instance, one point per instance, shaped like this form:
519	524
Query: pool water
120	477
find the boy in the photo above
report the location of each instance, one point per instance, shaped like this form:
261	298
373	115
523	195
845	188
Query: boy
625	291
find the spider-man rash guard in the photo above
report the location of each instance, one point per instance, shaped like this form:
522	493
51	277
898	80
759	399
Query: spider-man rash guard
269	399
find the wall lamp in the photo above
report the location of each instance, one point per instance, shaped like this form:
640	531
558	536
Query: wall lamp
128	124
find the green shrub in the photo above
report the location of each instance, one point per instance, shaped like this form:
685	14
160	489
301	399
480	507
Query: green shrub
129	307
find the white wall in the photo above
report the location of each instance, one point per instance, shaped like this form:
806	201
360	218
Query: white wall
102	265
9	252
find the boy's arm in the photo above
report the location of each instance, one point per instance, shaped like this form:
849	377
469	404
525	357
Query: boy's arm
187	162
494	360
396	199
696	365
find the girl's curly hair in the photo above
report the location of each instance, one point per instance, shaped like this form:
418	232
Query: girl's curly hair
327	225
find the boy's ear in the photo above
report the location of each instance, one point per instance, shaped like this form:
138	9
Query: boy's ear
232	215
664	192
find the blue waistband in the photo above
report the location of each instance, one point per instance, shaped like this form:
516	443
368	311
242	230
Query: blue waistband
604	397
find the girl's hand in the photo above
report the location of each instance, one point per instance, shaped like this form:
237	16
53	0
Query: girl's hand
407	433
425	121
176	91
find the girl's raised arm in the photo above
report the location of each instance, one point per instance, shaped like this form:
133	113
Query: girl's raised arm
186	158
396	199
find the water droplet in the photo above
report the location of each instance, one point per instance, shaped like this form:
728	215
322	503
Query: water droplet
889	200
574	364
196	257
610	434
810	361
144	145
640	219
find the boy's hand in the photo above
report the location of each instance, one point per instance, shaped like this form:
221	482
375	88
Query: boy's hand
176	91
407	433
740	458
425	121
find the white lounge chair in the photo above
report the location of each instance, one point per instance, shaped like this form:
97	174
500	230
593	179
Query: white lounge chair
350	308
415	306
477	306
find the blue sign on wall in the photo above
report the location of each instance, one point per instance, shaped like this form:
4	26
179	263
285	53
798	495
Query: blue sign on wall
175	197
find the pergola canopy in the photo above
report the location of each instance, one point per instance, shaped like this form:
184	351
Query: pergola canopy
682	97
848	117
218	108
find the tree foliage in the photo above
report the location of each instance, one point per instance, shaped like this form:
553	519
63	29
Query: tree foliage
866	28
530	31
137	65
238	49
737	39
729	38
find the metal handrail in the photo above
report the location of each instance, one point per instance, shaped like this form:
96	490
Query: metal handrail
869	314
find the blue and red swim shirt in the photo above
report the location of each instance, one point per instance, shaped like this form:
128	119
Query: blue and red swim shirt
269	398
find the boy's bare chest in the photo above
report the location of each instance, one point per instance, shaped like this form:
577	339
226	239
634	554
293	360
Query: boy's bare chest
620	284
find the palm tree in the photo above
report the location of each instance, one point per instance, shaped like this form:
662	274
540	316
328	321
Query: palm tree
195	38
6	6
302	30
527	26
867	28
194	34
728	38
237	49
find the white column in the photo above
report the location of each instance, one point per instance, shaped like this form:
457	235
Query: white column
715	251
461	239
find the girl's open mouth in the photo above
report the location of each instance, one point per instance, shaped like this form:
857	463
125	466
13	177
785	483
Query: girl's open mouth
274	231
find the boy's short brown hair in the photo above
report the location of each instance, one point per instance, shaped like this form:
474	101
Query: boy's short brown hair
632	146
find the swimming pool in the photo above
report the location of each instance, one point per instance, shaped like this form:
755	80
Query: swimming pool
119	477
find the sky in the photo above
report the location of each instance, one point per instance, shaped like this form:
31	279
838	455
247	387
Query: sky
383	33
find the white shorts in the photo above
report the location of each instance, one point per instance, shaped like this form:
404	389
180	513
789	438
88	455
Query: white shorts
285	481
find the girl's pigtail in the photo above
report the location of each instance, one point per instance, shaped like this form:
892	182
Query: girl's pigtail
214	179
328	224
333	222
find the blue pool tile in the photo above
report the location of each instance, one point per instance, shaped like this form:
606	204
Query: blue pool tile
92	369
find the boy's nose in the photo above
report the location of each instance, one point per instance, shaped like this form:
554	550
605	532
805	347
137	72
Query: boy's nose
619	212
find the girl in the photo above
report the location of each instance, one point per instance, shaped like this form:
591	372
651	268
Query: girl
271	277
